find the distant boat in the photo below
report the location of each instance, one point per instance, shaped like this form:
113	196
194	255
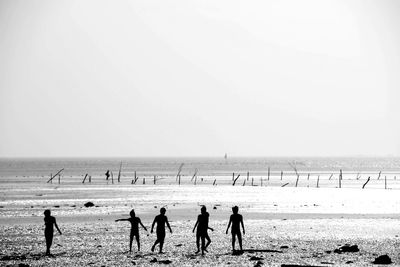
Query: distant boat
226	156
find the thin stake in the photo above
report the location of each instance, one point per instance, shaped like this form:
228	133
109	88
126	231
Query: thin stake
340	179
84	178
318	182
281	175
385	183
268	172
119	172
369	178
297	180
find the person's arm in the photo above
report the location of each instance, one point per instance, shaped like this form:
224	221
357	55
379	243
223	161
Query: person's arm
211	229
241	222
166	220
120	220
152	226
144	227
229	225
197	222
55	224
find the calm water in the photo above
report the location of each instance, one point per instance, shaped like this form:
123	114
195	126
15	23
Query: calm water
205	166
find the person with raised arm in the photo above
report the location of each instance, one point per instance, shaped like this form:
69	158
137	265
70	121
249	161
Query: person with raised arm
135	221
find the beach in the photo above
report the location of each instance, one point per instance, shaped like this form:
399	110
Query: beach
297	225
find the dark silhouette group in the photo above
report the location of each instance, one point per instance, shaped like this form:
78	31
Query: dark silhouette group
235	221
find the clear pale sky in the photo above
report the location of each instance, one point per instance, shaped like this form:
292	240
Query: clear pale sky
199	78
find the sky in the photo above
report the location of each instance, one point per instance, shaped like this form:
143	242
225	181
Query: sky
199	78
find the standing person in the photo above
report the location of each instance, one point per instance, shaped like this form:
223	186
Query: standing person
107	174
49	221
161	221
236	219
135	221
202	230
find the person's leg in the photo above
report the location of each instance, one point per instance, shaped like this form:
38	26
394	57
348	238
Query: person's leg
130	242
155	244
233	241
49	241
198	242
138	242
208	241
239	235
162	243
203	241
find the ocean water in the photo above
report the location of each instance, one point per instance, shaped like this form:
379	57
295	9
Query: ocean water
37	167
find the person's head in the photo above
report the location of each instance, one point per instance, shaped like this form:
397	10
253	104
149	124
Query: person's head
235	209
132	213
47	213
203	209
163	211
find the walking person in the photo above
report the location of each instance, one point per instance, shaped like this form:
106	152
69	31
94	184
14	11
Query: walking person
49	222
236	220
202	230
135	221
161	221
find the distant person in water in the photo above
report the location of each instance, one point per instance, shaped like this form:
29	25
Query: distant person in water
161	221
236	219
49	222
202	230
107	174
135	221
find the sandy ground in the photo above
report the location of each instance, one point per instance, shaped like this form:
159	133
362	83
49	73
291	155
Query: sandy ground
299	225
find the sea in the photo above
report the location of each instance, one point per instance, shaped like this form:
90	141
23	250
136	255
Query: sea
169	166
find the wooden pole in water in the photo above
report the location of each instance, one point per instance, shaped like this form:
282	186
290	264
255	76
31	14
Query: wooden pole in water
285	185
154	181
330	177
297	180
144	180
112	177
385	183
268	172
244	182
83	181
215	180
52	177
340	179
59	178
248	174
234	181
51	180
119	172
281	175
369	178
252	181
233	176
261	181
90	179
379	174
318	182
179	179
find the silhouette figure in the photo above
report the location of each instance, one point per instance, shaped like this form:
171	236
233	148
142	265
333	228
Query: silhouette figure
107	174
236	219
202	230
135	221
161	221
49	221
